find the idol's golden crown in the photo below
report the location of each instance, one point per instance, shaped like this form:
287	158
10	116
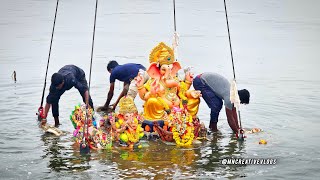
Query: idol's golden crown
127	105
162	54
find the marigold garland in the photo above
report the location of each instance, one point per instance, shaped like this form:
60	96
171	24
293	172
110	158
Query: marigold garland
187	137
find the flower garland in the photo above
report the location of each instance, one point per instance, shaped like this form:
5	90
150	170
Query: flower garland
183	132
98	138
133	136
105	139
187	137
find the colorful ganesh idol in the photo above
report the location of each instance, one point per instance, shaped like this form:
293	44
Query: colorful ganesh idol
98	138
164	91
126	123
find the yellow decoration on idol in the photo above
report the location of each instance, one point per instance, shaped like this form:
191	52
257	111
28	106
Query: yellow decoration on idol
186	139
162	54
127	105
126	122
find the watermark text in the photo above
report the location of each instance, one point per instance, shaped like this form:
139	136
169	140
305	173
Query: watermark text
248	161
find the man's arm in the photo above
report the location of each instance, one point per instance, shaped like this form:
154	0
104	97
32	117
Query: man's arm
123	93
86	98
53	96
110	95
235	117
46	109
233	123
82	87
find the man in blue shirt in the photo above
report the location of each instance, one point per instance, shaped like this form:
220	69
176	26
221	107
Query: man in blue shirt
124	73
67	77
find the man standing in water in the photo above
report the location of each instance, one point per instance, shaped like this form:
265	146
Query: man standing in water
124	73
67	77
215	88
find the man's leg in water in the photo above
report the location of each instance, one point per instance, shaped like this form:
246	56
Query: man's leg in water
214	102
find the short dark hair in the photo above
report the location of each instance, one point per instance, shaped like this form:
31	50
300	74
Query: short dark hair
112	64
244	96
56	79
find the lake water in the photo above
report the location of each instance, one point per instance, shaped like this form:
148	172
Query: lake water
276	53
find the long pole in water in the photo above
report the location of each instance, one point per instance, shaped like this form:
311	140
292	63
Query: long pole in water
84	147
234	73
45	79
225	10
40	109
92	47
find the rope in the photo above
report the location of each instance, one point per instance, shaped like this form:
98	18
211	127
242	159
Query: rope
175	42
174	15
234	73
45	79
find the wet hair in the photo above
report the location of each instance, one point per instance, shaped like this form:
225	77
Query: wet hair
244	96
56	79
112	64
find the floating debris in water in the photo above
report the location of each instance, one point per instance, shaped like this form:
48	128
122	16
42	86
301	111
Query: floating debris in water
253	130
262	141
14	76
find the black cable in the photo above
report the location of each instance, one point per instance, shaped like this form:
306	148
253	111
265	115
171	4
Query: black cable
86	117
94	31
225	10
45	79
234	73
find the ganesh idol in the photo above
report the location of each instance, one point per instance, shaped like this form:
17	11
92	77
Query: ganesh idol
164	91
126	123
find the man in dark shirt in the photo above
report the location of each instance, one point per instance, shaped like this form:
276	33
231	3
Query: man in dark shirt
67	77
124	73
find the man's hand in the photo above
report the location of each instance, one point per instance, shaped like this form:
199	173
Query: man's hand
102	108
88	106
43	122
105	109
113	108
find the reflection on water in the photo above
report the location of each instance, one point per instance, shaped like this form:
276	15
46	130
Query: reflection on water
276	55
62	158
219	148
156	159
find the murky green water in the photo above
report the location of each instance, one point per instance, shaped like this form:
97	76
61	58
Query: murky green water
276	52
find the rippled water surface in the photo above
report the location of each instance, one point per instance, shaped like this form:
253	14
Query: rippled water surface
276	53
